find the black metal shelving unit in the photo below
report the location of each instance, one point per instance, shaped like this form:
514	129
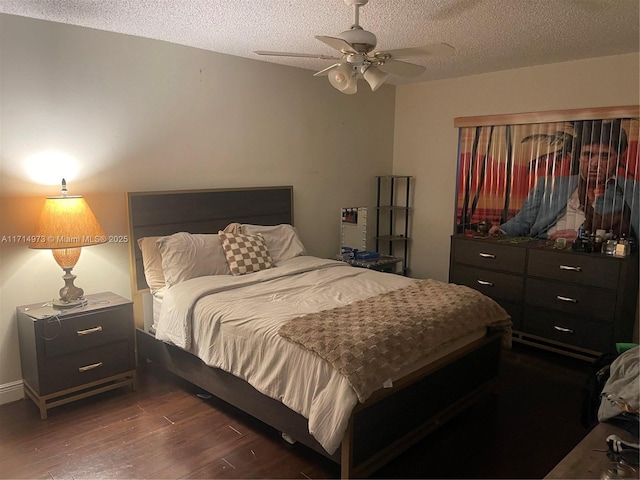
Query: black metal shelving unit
392	217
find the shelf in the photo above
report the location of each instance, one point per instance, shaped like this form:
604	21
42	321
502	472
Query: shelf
392	238
392	217
392	207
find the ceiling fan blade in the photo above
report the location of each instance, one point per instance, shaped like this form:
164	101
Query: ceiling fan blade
325	71
404	69
433	50
289	54
337	43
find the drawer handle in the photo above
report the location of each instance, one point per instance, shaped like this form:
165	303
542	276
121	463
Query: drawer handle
487	255
562	329
93	366
569	267
89	330
566	299
485	283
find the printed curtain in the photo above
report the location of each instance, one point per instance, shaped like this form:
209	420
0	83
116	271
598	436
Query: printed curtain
537	178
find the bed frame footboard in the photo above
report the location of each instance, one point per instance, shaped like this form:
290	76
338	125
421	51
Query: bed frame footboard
380	429
395	419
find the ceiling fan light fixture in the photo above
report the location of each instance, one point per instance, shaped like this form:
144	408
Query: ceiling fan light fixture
357	57
374	77
343	78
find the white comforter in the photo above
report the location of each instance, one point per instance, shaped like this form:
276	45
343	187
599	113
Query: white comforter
232	323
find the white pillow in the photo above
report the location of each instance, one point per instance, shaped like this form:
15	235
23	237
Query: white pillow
282	240
186	256
152	262
245	253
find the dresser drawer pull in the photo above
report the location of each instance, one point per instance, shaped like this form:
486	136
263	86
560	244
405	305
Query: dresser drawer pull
93	366
566	299
562	329
569	267
487	255
485	283
89	330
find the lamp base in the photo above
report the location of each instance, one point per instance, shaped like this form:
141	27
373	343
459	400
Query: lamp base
61	304
70	295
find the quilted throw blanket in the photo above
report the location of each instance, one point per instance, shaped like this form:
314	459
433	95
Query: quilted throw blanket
370	340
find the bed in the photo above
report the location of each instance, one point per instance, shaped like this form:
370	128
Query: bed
264	338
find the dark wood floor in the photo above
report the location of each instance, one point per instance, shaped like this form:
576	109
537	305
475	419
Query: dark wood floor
165	430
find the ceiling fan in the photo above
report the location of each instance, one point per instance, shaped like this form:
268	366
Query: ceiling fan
356	46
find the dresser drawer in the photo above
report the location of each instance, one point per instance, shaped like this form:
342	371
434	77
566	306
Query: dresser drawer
496	285
589	269
67	371
88	331
506	258
571	299
568	329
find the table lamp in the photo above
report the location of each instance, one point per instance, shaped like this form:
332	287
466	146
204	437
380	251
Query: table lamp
66	225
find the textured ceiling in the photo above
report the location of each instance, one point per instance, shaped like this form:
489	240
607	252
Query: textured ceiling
488	35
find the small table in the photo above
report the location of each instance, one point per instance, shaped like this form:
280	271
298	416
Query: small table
589	458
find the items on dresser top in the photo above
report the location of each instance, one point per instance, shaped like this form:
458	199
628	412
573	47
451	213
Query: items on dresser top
575	303
71	354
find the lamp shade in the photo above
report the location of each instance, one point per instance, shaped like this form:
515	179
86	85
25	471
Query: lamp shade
343	78
67	222
374	77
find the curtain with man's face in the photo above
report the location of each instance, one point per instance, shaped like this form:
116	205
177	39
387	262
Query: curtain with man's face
500	166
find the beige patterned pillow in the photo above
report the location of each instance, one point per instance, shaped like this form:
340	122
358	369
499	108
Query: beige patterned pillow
245	253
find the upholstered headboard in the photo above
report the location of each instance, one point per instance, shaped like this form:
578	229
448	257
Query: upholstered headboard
200	211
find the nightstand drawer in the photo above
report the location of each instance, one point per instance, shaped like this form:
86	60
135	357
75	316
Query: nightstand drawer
490	255
69	371
571	299
568	329
86	331
496	285
588	269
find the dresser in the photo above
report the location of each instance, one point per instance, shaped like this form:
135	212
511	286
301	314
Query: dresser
579	304
71	354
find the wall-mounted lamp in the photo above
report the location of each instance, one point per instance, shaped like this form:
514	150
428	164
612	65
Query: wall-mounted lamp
66	225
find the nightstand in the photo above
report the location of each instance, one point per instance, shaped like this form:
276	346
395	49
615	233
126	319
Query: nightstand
71	354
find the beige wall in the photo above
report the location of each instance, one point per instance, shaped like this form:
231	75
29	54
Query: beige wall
426	140
146	115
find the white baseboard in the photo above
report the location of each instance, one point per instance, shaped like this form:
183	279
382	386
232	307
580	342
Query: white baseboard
10	392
